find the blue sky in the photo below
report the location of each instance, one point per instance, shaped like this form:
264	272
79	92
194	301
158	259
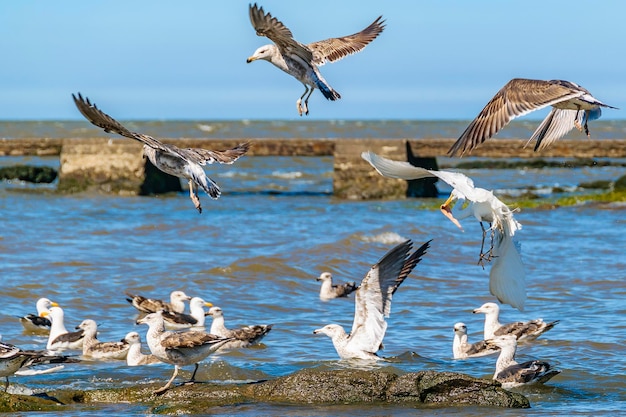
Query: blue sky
151	59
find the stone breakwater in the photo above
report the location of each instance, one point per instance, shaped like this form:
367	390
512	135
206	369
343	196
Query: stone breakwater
118	166
306	387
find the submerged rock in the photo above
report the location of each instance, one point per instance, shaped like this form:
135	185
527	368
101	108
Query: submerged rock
29	173
306	387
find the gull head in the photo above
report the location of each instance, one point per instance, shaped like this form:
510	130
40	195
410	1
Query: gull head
215	311
487	308
330	330
132	338
446	209
264	52
88	326
152	319
180	296
502	342
197	302
460	328
324	276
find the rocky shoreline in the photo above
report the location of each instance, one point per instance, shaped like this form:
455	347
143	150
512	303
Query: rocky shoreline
305	387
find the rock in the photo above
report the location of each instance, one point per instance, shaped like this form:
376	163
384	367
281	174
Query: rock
620	184
29	173
305	387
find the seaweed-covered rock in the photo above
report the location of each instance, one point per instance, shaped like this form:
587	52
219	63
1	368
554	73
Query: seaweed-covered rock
29	173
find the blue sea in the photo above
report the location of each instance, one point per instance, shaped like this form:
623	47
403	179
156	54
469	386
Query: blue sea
257	250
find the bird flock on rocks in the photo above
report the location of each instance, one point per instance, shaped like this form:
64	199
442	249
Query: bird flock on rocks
181	339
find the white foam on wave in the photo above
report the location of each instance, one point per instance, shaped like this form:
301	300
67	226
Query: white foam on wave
388	238
287	175
205	128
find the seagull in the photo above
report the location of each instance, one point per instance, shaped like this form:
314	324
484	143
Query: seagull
572	106
182	321
35	322
179	348
512	374
13	358
60	338
302	61
328	290
522	330
462	349
96	349
373	304
149	305
507	278
183	163
135	357
242	337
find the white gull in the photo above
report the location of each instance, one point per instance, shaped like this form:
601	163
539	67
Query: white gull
242	337
462	348
60	338
35	322
96	349
522	330
328	290
373	304
150	305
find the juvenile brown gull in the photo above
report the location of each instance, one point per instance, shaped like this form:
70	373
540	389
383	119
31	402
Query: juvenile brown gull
96	349
179	348
462	349
135	356
35	322
149	305
512	374
572	106
522	330
196	317
60	338
242	337
507	278
14	359
328	290
182	163
302	61
373	304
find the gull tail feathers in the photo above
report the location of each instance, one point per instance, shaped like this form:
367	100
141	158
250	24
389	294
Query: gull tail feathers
326	89
507	279
202	179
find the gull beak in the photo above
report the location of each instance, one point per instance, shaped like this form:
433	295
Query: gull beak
207	304
476	311
53	304
44	314
446	209
250	59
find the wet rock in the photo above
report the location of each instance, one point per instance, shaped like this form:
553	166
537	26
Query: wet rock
29	173
306	387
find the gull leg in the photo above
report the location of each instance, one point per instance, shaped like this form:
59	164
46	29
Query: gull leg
193	376
169	383
577	123
306	101
299	106
6	383
482	257
193	194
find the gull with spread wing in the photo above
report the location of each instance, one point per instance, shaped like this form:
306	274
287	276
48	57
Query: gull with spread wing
184	163
373	304
572	106
507	278
302	61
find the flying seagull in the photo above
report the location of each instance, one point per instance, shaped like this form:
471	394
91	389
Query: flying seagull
13	358
522	330
512	374
572	106
462	348
179	348
373	304
507	278
328	290
150	305
182	163
302	61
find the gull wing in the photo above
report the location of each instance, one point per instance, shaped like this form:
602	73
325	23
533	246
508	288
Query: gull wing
268	26
373	298
556	125
405	171
334	49
198	155
507	279
517	98
190	339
